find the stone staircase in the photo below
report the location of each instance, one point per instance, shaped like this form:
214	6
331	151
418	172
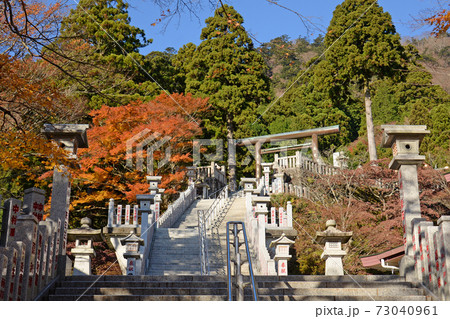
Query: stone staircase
174	273
234	211
176	251
213	288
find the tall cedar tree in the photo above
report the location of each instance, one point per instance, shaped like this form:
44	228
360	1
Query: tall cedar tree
226	68
105	48
363	46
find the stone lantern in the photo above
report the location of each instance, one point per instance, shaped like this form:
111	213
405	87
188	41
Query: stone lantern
282	256
69	137
333	253
83	251
191	174
154	181
132	244
405	142
249	185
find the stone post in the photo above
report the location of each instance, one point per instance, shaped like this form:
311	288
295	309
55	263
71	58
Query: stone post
266	171
333	253
289	214
33	202
282	256
279	180
83	251
70	137
405	141
11	212
443	246
261	211
158	201
3	273
423	252
9	275
27	232
132	245
430	269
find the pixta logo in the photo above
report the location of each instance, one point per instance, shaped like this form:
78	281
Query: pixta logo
151	142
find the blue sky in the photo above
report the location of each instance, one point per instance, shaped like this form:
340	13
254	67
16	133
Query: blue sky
264	20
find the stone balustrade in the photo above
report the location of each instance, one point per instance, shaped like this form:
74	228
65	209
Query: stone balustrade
266	225
28	247
175	210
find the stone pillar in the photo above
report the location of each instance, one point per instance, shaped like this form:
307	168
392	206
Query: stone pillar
289	214
11	212
27	232
282	256
9	275
266	171
315	148
33	202
70	137
258	159
279	180
3	274
158	201
405	141
423	251
132	244
273	216
430	269
333	252
443	246
418	259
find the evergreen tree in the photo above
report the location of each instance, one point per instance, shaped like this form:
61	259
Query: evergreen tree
104	47
364	46
226	68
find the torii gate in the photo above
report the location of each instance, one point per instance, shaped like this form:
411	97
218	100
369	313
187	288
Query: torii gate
313	133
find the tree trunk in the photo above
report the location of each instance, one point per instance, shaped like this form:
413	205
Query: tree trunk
369	121
231	155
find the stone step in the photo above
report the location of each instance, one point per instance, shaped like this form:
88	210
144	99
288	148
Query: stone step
144	278
193	268
144	284
345	278
158	272
340	297
394	292
137	298
123	291
330	284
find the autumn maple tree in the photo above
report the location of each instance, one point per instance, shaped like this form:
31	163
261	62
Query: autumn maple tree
104	173
440	21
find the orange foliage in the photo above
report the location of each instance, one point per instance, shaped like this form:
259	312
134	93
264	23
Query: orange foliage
104	172
440	21
27	25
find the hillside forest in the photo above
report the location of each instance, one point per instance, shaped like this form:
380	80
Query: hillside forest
83	64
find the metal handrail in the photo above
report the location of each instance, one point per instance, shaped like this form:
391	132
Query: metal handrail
216	201
204	258
239	279
203	217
